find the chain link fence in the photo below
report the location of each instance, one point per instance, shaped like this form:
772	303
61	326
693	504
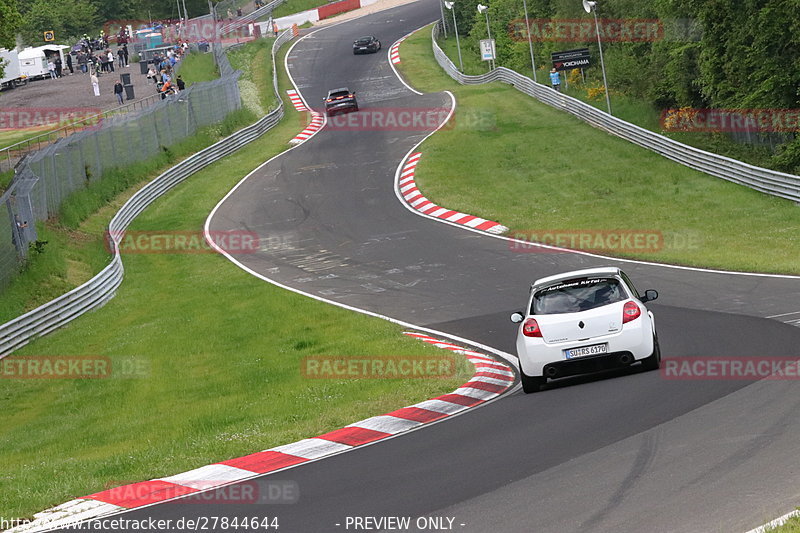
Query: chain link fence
44	179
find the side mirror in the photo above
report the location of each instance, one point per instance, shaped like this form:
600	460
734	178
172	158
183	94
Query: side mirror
650	295
517	317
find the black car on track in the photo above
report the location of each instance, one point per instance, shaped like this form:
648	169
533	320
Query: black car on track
340	100
366	45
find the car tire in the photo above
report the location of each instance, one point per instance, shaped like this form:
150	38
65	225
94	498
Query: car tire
531	384
654	361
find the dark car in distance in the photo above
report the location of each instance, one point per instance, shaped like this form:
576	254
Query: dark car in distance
340	100
366	45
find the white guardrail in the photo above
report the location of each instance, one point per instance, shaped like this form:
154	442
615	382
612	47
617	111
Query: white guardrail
758	178
101	288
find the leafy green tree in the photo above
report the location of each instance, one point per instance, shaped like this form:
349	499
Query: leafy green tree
68	19
10	21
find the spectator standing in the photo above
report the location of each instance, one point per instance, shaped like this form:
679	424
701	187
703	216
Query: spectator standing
118	92
51	68
125	52
110	58
95	84
555	80
82	62
120	58
238	11
69	63
59	66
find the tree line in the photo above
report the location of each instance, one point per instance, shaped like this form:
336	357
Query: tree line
714	54
71	19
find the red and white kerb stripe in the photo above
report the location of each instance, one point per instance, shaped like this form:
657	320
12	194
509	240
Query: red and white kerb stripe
491	379
297	102
412	195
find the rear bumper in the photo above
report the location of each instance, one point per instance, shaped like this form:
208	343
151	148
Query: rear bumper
341	108
635	340
588	365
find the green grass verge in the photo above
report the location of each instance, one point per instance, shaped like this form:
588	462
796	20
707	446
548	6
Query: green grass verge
70	252
290	7
533	168
221	352
197	67
790	526
254	59
637	111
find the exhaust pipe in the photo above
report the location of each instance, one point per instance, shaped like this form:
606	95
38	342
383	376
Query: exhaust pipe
551	372
625	359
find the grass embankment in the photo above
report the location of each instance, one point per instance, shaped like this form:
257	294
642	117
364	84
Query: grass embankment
197	67
636	111
533	168
70	250
221	352
291	7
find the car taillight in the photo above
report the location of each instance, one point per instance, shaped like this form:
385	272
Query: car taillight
531	328
630	312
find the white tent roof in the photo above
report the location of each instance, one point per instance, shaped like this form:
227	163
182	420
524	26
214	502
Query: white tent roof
39	50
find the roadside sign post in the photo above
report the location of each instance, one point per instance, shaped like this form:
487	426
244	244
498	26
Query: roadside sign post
487	50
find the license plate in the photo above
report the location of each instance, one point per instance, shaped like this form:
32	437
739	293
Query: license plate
583	351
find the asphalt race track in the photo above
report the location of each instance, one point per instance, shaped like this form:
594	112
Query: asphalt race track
635	452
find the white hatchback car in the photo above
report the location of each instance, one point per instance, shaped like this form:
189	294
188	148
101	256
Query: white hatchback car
584	321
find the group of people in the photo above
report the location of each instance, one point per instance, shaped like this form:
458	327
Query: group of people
162	70
56	68
103	60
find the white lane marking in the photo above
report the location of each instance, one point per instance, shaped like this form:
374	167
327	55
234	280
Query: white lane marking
784	314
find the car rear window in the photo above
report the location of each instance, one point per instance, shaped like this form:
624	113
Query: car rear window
364	40
338	94
575	295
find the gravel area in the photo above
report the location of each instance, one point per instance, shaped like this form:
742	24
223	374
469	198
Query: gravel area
75	91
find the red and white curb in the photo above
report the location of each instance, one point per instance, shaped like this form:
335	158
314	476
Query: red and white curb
491	379
394	51
297	102
317	120
412	195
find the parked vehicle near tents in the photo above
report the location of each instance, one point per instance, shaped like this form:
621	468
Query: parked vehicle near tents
33	60
11	71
